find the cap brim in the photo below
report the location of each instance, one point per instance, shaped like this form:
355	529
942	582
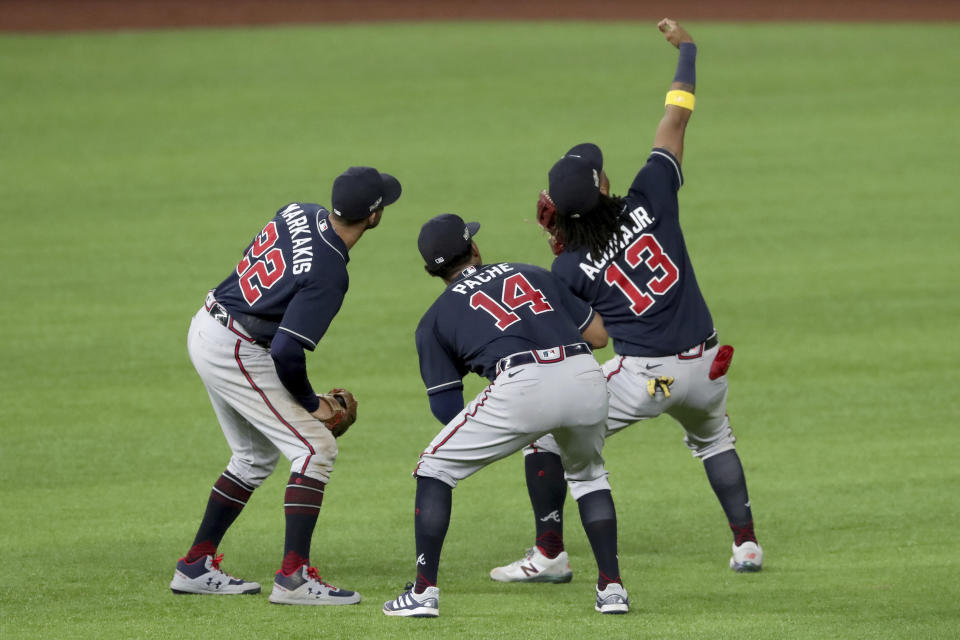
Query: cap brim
391	189
473	228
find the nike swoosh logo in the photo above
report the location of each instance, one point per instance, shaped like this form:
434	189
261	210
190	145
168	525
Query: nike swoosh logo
653	366
513	373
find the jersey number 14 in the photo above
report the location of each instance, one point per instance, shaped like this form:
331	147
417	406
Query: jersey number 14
643	250
517	292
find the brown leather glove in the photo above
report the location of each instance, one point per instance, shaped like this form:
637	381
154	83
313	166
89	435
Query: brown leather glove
344	407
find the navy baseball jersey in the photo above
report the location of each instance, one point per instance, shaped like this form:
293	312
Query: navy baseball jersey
490	312
643	286
292	278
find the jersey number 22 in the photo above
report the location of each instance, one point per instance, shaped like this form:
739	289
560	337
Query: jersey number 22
262	266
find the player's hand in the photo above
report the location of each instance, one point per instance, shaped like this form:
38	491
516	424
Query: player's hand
344	406
329	408
673	32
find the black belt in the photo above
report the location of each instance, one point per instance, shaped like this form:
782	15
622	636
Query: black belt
221	315
542	356
697	350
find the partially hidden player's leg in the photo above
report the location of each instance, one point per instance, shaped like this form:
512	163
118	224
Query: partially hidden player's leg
546	560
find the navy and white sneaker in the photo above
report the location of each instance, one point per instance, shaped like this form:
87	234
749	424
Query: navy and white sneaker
204	576
535	567
415	605
747	558
613	599
305	586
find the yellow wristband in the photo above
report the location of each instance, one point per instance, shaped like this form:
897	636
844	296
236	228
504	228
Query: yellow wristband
682	99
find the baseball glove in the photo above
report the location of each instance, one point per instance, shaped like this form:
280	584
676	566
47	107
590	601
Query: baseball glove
547	218
344	407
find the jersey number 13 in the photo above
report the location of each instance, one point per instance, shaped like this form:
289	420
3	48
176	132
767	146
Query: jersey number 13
643	250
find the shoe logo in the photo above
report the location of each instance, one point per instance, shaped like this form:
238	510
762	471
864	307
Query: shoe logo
653	366
553	515
529	570
214	584
513	373
421	560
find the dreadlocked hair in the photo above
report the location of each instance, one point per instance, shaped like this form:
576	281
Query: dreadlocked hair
593	230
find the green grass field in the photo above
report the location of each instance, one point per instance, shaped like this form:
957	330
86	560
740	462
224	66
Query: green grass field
820	211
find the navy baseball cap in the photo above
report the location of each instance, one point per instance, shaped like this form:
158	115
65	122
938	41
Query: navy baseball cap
589	152
359	191
574	184
445	237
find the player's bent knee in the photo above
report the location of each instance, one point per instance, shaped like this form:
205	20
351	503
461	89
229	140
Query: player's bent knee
427	470
580	488
546	444
707	449
318	471
251	472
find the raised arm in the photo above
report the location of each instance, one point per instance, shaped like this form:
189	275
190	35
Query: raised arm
680	99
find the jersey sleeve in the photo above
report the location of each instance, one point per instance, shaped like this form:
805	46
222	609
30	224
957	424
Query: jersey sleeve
438	368
579	311
312	309
659	179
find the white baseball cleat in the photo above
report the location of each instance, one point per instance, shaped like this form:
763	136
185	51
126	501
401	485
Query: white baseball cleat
415	605
535	567
305	586
204	576
747	558
613	599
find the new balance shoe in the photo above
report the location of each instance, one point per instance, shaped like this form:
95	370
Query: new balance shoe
747	558
305	586
613	599
415	605
204	576
535	567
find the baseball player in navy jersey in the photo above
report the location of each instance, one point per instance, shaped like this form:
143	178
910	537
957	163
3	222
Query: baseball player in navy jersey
247	343
515	325
627	258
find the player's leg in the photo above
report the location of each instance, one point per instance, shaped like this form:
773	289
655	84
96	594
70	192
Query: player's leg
710	438
477	436
258	395
546	560
580	435
253	460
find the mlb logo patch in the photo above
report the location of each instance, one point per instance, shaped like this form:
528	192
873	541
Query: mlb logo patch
323	225
549	355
